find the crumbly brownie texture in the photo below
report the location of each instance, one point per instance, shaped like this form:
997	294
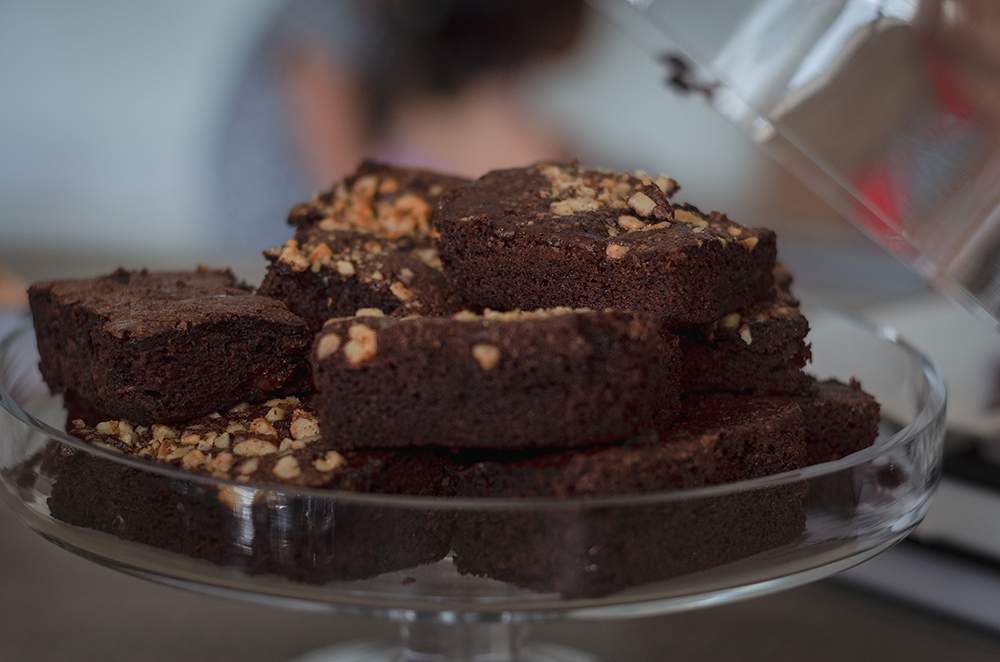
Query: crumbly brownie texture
558	235
367	243
546	379
840	419
273	442
593	551
165	346
760	350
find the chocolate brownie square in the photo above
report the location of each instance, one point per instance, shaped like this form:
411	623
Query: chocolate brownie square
599	549
841	419
560	235
760	350
165	346
546	379
253	524
366	243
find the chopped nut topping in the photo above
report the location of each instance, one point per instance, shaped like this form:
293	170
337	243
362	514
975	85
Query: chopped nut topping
616	251
329	462
263	427
745	334
734	231
274	414
368	312
254	447
126	433
327	346
487	355
249	466
363	344
319	256
222	441
573	206
108	427
630	223
292	256
731	321
388	185
749	243
685	216
191	439
667	185
465	316
193	460
401	291
304	425
178	453
345	268
642	204
221	463
235	427
243	406
287	468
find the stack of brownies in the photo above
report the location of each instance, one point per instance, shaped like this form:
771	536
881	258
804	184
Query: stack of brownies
547	331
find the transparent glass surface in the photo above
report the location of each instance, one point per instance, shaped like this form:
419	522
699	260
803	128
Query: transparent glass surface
413	559
888	108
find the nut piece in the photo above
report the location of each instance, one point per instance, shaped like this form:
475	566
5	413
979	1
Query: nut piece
254	448
616	251
345	268
287	468
630	223
487	355
642	204
261	426
745	334
221	463
193	460
362	345
401	291
731	321
330	461
275	414
191	439
303	426
248	467
327	346
685	216
749	243
734	231
369	312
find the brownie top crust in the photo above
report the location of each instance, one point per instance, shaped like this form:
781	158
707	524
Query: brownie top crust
380	200
370	238
143	303
274	442
614	212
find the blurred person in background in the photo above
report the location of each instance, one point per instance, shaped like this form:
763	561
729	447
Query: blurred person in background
427	83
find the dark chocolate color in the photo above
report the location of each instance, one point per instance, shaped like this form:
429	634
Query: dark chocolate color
165	346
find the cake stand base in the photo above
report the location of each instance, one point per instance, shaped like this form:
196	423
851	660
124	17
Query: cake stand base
451	642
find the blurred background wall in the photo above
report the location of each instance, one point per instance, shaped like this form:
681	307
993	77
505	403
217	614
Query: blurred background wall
114	120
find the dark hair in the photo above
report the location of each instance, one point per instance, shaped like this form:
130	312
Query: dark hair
437	46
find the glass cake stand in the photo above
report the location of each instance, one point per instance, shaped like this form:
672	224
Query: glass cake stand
465	577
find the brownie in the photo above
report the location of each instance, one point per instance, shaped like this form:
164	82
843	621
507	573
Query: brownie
599	549
840	419
165	346
761	349
553	378
366	243
559	235
255	526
